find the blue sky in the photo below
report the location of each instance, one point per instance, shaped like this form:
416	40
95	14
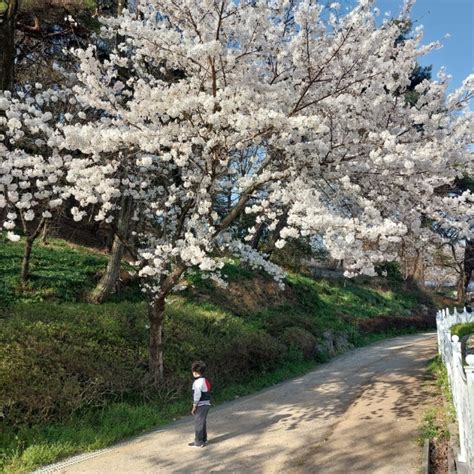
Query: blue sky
440	17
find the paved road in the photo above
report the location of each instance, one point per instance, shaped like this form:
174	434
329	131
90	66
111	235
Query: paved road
356	414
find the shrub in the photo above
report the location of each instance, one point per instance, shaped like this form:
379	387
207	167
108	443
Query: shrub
57	359
249	352
384	324
391	270
292	255
54	366
276	324
300	339
462	330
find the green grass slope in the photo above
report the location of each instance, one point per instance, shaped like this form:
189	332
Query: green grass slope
73	375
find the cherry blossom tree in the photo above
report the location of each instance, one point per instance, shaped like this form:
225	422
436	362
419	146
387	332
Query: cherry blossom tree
31	170
312	99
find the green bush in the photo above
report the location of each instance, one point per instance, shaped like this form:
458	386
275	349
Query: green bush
300	339
57	359
247	353
277	324
390	270
52	367
462	330
293	254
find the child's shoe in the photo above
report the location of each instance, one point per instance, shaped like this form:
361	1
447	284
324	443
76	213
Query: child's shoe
194	445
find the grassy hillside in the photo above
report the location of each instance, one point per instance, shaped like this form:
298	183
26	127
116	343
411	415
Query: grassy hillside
73	375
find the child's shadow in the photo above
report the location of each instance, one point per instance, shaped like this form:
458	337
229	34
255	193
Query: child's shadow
274	419
219	439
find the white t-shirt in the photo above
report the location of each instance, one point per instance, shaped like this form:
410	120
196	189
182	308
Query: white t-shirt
201	392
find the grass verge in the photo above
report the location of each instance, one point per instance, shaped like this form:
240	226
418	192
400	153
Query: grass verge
434	426
436	420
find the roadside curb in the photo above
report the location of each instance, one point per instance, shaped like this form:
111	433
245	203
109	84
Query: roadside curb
425	463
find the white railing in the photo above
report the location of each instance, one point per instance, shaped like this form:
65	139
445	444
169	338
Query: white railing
461	379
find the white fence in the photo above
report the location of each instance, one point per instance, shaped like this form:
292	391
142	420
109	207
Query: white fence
461	378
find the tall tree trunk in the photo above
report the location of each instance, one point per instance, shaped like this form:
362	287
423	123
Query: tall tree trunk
7	45
468	264
276	233
29	241
257	236
44	233
121	4
413	264
156	313
419	268
461	289
107	283
110	238
25	265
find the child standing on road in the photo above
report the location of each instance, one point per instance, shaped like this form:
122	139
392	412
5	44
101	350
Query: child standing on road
201	403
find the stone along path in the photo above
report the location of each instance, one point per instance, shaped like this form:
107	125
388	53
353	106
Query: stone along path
358	413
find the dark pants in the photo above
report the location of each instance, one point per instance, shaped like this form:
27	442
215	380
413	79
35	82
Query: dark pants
200	424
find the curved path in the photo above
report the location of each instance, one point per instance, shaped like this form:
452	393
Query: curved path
357	413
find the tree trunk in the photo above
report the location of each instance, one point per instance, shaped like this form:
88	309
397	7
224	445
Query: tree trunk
257	236
414	268
468	264
156	313
121	4
7	46
419	269
107	283
25	266
276	233
461	290
44	234
110	238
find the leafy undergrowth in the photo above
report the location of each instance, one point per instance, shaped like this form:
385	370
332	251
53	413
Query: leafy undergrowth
73	374
434	426
59	272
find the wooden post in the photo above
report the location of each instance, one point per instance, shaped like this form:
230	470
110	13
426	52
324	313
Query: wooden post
7	43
